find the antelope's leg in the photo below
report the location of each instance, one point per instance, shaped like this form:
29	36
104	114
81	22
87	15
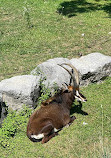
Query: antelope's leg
47	138
48	131
72	118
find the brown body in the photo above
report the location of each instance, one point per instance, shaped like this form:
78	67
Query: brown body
52	116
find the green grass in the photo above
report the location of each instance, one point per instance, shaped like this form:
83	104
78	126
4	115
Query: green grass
92	140
33	31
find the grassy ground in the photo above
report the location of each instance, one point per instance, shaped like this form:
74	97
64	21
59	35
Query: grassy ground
33	31
88	137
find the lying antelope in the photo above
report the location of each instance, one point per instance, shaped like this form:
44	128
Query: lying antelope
54	113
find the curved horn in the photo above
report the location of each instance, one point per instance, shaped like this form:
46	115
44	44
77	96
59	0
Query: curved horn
76	72
65	69
73	77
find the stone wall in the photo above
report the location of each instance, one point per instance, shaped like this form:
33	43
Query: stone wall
25	89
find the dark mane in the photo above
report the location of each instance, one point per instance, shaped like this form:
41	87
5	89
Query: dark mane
56	98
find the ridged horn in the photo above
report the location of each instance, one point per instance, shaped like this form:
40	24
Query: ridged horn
75	80
75	71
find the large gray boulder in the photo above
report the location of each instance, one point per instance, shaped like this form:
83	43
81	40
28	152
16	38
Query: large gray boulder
53	72
93	67
20	90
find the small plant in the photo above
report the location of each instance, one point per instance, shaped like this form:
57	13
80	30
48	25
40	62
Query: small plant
12	123
56	88
26	14
38	72
45	92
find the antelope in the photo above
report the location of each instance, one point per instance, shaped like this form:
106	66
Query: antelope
54	113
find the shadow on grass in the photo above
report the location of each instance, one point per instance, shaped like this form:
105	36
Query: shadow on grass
107	9
71	8
3	112
78	109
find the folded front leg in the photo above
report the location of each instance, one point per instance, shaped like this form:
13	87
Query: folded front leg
72	118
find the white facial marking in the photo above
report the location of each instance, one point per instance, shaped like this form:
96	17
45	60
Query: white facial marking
77	97
39	136
84	101
77	93
80	97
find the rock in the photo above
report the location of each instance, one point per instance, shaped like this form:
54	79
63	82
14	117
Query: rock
20	90
93	67
53	72
0	97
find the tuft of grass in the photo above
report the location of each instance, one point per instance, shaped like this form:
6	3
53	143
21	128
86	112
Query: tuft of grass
89	136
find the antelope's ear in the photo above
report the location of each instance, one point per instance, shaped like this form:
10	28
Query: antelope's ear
44	103
48	101
70	88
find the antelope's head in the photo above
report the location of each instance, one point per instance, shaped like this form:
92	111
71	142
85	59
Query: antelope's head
74	83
